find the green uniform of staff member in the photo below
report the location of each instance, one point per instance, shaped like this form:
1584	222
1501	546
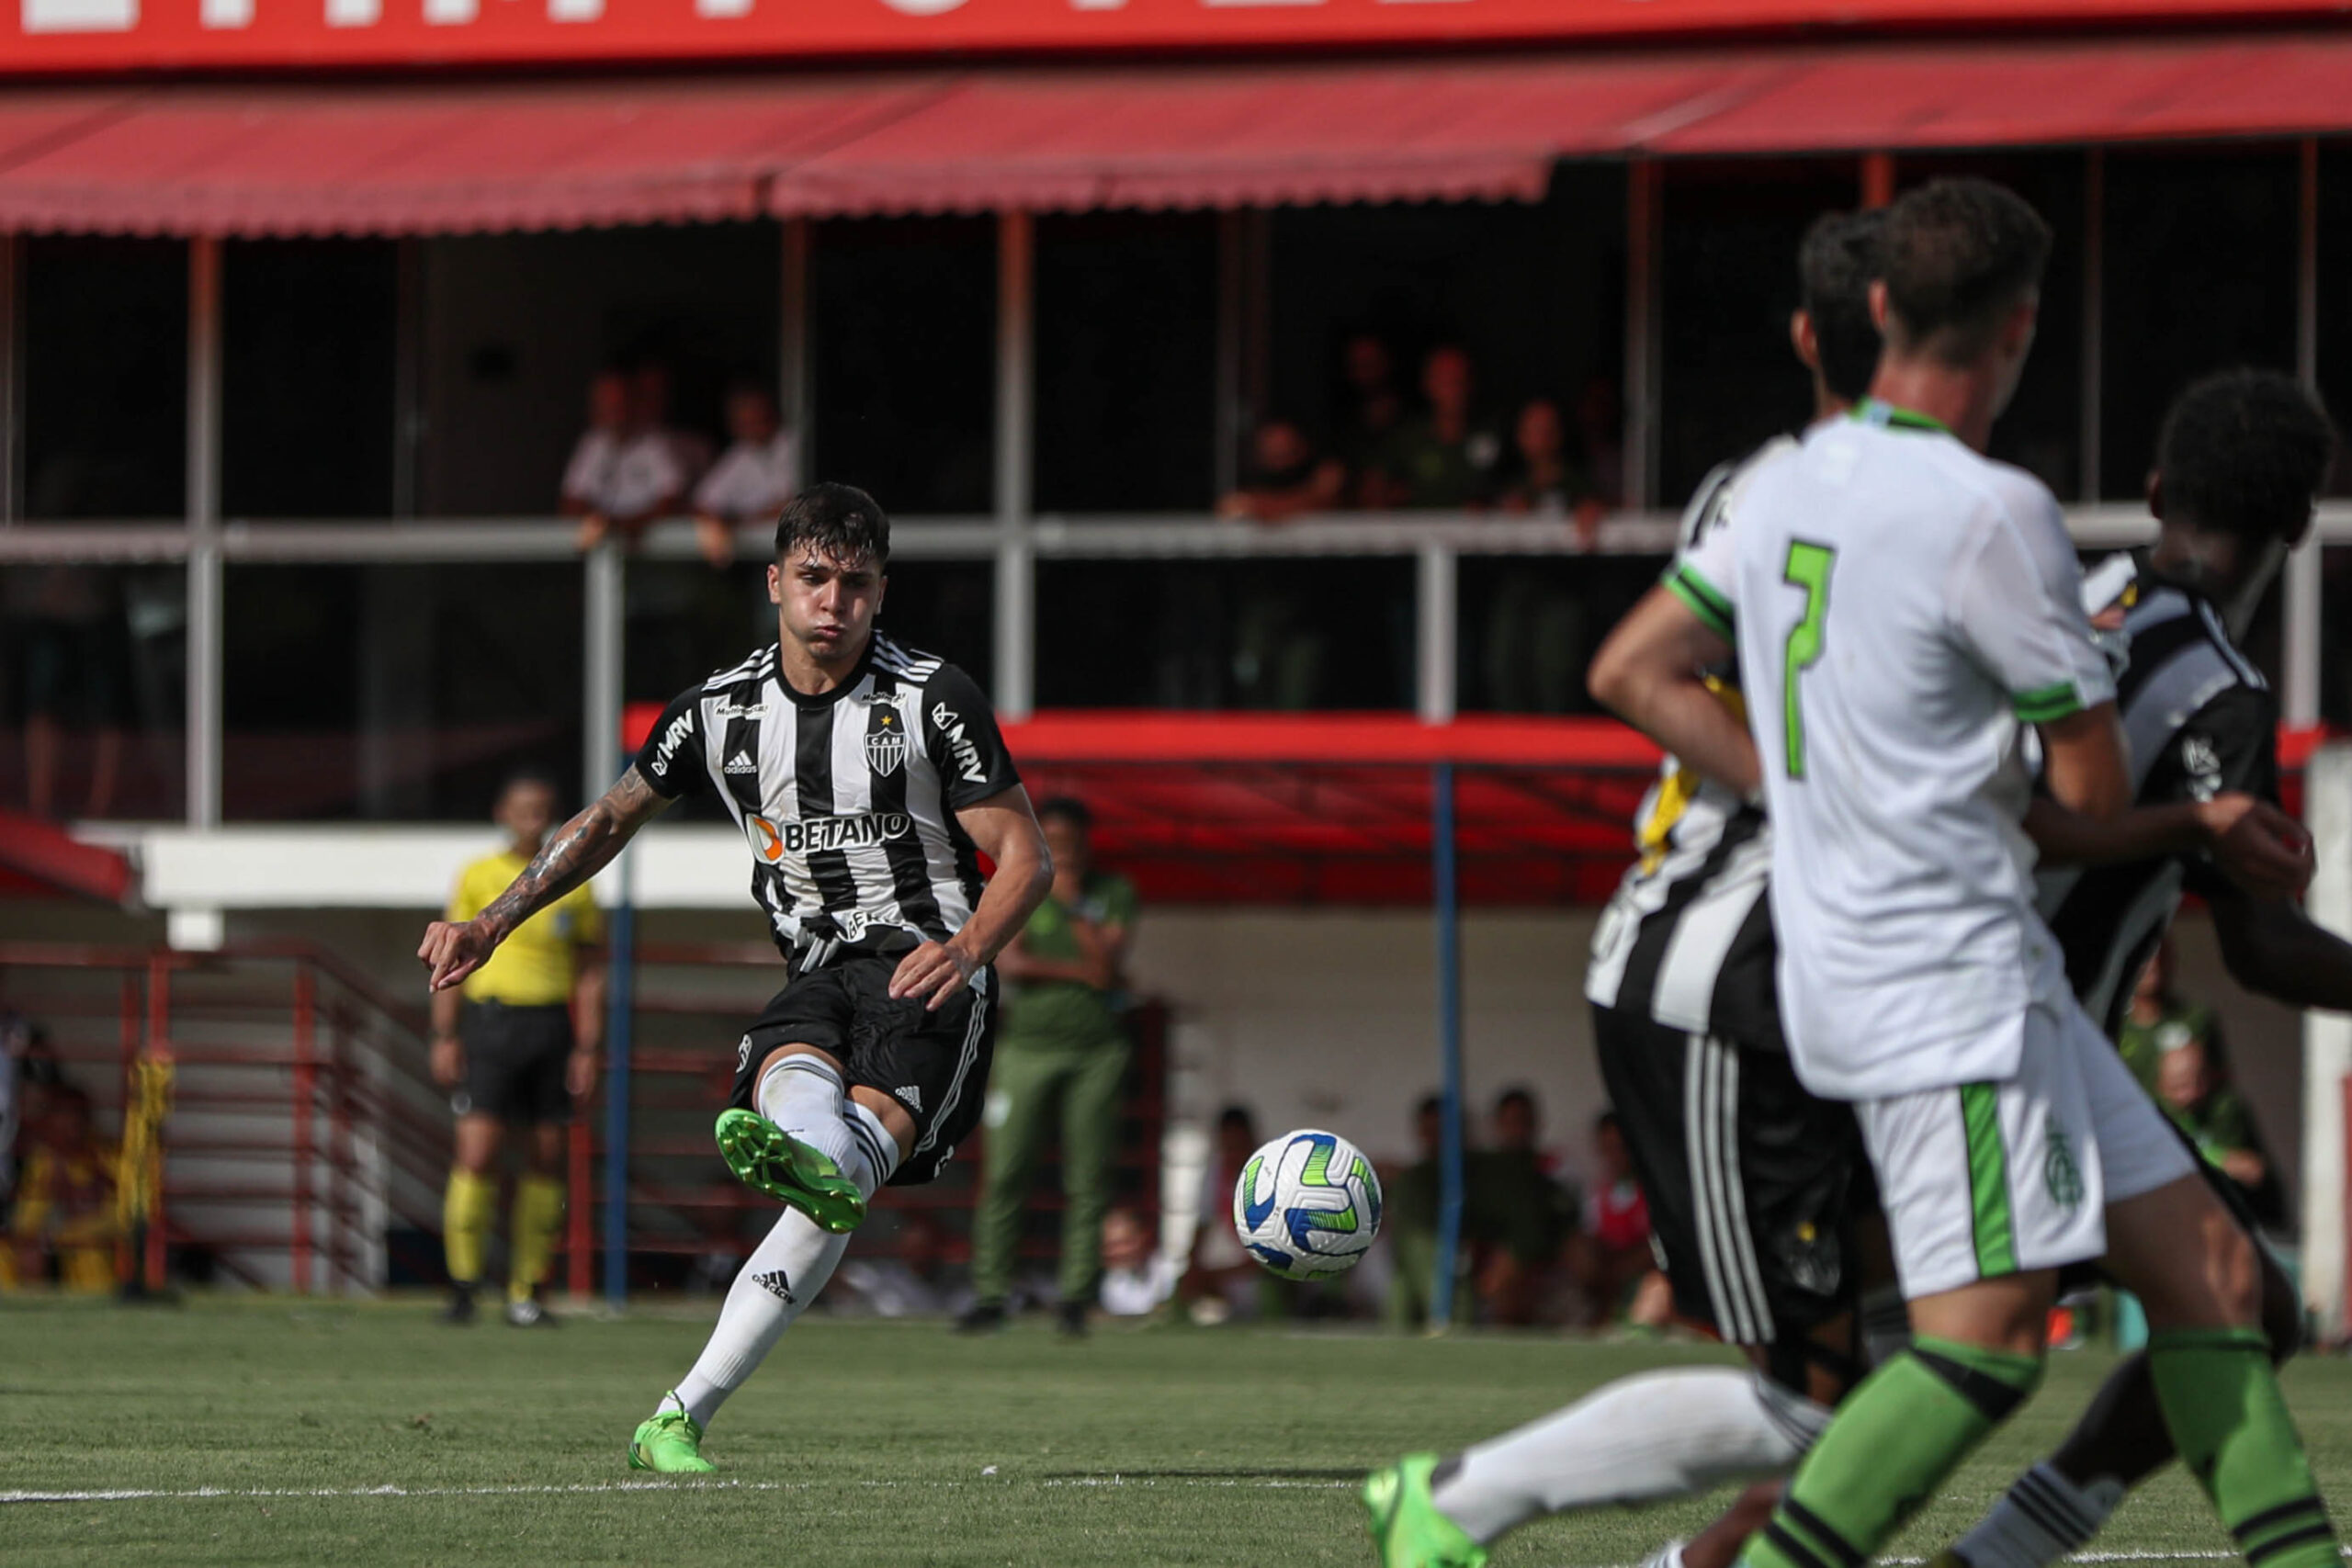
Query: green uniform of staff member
1061	1042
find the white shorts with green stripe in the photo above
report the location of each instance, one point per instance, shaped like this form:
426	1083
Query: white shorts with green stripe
1986	1179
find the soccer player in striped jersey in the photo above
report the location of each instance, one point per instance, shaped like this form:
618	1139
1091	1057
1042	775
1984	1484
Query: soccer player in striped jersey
868	779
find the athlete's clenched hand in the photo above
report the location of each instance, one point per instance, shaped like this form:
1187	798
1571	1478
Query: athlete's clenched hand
933	971
2258	846
453	951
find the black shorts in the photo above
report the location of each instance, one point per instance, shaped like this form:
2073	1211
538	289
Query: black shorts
935	1064
1753	1184
515	1060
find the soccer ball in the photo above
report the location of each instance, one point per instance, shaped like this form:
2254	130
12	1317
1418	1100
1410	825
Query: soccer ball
1307	1205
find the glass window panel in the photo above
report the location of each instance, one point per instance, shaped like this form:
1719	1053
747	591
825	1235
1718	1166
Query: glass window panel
94	679
397	692
1530	624
1275	632
2199	276
1533	293
903	327
307	417
1729	381
1126	361
106	377
516	325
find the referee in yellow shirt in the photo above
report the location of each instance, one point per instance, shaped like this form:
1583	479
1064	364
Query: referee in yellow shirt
518	1050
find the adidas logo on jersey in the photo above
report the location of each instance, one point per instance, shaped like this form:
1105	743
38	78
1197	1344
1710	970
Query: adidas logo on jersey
778	1285
911	1095
739	763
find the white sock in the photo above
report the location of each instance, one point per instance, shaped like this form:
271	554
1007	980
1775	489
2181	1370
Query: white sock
2042	1517
784	1274
1639	1439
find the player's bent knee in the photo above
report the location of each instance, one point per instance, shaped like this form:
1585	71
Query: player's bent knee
890	1114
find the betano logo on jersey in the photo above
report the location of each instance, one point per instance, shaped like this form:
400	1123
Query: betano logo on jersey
774	841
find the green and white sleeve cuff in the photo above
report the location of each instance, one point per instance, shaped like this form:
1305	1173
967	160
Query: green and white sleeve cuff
1700	596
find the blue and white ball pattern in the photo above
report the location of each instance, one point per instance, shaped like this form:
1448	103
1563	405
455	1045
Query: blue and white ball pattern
1308	1204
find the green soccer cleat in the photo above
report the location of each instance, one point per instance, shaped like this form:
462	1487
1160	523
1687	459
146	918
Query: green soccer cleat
770	1160
671	1443
1407	1531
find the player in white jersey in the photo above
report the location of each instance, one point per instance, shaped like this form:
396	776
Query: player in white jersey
1904	607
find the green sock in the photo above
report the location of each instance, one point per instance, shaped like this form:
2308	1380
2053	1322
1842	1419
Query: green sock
2221	1400
1896	1439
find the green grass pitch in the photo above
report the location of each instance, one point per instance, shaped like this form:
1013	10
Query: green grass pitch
859	1443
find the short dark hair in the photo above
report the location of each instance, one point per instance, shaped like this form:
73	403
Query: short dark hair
2245	452
1958	256
840	522
1068	807
1836	266
1236	1116
537	778
1517	1094
1607	1121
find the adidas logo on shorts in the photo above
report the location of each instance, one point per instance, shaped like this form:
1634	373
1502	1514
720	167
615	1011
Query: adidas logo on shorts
911	1095
778	1285
740	763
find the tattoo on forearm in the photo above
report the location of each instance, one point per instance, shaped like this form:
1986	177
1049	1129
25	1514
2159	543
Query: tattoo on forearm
579	850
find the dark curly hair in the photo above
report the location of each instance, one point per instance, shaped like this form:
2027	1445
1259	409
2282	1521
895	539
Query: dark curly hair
1958	256
2245	452
840	522
1836	266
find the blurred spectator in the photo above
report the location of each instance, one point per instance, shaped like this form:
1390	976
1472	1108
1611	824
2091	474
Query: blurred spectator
1534	647
913	1282
69	641
1446	460
1600	439
649	390
624	471
1222	1279
1613	1258
1411	1198
64	1206
1286	478
28	1069
1137	1277
1520	1215
2159	1018
1372	414
2174	1046
759	472
1061	1048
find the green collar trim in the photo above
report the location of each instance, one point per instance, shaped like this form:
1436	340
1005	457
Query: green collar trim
1885	416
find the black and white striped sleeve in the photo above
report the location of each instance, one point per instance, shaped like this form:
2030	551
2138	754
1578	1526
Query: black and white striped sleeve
963	742
673	760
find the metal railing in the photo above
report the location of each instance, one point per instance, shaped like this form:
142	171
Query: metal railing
1435	543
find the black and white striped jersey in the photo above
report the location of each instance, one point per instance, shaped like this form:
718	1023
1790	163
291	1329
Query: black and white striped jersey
847	800
2199	719
1687	939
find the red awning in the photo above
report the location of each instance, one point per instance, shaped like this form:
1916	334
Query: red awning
40	859
446	159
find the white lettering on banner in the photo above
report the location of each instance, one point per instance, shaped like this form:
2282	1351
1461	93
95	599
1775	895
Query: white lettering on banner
922	7
722	8
951	725
1234	5
80	16
575	10
354	13
226	13
450	12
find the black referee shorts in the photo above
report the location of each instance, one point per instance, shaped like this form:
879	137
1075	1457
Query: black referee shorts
1753	1184
515	1060
935	1064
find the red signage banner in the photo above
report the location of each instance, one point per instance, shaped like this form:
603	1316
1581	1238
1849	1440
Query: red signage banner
49	37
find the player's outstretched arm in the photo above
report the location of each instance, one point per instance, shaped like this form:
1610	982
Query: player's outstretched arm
573	853
1006	830
2272	948
1648	673
2264	851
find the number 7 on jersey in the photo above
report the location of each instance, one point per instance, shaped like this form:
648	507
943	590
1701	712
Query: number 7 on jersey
1807	568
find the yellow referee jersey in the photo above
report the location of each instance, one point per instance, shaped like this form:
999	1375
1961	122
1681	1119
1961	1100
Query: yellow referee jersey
535	967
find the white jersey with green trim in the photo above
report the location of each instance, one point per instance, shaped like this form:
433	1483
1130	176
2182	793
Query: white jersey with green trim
1903	607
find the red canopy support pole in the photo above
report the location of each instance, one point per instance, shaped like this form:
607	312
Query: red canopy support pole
306	1086
159	1047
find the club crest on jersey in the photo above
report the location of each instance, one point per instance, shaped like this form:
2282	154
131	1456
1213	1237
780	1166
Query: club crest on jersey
885	746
